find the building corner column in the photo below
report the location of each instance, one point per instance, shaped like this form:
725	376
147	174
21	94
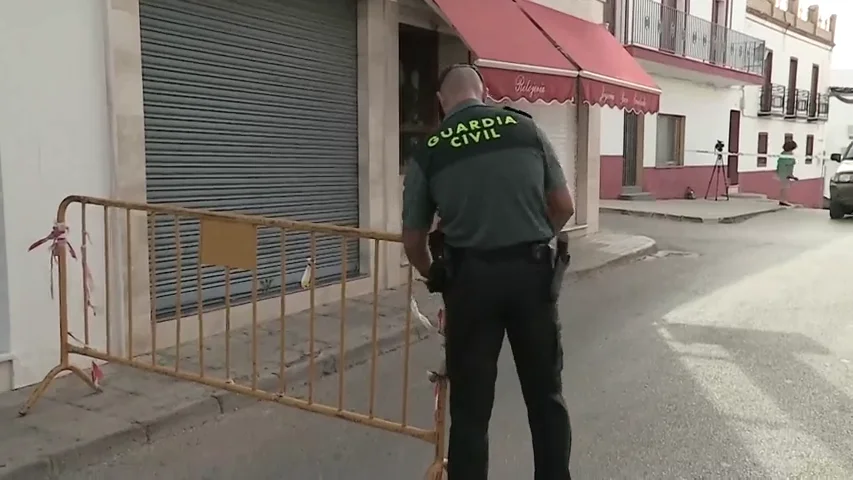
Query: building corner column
377	120
123	61
587	168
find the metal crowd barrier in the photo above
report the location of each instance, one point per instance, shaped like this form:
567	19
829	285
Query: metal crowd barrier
228	242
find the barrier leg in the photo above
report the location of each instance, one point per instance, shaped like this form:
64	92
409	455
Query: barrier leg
48	379
438	469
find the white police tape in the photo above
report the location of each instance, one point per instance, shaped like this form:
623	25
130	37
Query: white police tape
756	155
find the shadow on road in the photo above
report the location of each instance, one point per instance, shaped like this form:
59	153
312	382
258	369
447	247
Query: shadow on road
774	362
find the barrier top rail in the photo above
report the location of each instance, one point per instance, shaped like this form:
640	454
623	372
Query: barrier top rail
230	216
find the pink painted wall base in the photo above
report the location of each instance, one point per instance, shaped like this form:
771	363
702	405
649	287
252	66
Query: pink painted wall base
611	177
672	182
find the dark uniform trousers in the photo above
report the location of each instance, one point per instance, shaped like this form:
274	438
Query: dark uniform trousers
491	293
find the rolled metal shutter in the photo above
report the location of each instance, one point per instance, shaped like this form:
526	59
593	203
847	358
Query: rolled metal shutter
559	123
250	107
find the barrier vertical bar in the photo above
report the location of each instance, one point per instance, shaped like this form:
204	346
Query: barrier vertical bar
374	328
179	273
255	327
107	279
129	279
342	351
200	307
62	272
152	283
282	361
228	323
407	348
313	317
84	259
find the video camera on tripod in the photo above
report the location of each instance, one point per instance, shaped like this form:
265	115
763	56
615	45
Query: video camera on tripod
719	171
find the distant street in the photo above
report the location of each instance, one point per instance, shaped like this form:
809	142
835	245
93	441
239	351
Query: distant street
728	355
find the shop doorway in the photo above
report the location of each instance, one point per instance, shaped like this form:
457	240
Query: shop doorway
632	152
418	55
629	150
734	146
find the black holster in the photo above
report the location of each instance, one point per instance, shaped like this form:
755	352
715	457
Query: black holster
439	270
561	260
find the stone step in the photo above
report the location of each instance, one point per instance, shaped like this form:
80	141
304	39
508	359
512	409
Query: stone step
751	196
638	196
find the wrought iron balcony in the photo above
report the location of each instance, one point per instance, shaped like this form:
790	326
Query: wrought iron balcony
797	103
772	100
802	106
677	33
822	107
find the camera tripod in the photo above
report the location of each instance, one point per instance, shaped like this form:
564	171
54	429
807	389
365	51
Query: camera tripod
719	171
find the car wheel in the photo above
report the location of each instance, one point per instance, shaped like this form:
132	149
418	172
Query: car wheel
836	211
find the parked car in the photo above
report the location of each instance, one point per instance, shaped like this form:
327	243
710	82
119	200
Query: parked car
841	185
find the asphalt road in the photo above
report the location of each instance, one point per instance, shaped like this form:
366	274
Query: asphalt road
726	356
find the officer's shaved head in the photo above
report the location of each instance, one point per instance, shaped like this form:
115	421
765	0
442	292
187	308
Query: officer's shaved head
460	83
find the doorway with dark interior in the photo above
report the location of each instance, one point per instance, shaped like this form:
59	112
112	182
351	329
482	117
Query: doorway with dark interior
734	146
418	56
632	154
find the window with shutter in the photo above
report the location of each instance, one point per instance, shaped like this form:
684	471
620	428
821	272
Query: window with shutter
762	148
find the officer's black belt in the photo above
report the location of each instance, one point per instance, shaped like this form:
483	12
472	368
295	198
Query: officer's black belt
537	251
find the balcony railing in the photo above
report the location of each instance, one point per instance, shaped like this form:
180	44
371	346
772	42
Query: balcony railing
797	103
802	104
675	32
822	107
775	100
772	100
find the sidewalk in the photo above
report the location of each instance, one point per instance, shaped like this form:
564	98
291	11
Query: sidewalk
734	210
72	427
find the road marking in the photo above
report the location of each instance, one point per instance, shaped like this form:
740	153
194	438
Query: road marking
776	443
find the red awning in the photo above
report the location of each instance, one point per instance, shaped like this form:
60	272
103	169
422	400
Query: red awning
609	75
517	61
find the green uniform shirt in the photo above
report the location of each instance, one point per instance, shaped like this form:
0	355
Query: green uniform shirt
486	173
785	165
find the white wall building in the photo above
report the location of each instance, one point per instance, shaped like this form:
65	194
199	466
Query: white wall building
839	128
792	102
708	57
700	57
304	109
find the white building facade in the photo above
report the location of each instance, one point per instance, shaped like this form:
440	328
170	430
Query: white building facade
303	109
700	56
792	103
709	59
839	128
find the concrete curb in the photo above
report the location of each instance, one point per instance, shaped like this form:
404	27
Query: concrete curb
689	218
198	411
628	257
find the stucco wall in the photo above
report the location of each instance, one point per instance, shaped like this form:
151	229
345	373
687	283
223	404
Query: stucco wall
71	122
705	107
840	122
785	44
589	10
54	140
706	111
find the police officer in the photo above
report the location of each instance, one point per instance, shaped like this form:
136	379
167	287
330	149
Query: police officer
494	180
